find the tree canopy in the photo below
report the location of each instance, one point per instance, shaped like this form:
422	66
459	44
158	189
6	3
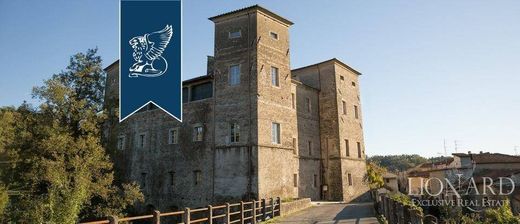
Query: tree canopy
58	169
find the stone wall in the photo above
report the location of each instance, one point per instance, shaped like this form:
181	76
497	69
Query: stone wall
294	206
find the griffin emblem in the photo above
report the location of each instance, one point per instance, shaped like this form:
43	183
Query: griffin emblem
148	49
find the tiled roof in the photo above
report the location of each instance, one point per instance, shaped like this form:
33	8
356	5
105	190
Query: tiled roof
257	7
483	158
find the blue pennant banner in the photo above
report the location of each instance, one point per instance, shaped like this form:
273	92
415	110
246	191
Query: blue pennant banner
150	56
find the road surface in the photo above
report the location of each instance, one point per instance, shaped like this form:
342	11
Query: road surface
333	213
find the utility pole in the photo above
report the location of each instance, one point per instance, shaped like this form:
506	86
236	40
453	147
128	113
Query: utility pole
516	150
445	152
456	146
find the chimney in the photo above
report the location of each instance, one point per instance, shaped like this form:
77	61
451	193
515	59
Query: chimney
469	152
480	152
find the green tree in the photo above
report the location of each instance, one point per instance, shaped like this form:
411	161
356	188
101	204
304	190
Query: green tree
59	165
374	176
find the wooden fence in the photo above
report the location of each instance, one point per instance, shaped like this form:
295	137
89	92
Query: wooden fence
242	212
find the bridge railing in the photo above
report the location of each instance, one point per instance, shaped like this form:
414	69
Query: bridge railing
242	212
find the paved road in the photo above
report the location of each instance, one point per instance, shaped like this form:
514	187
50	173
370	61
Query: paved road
333	213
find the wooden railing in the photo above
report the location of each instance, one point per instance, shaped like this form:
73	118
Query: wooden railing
242	212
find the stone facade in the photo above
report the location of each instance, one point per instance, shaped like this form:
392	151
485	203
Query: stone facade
252	127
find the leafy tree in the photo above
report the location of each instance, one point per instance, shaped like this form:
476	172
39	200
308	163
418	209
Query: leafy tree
59	167
374	176
396	163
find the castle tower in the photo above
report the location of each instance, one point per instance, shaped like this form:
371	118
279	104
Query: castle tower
341	129
253	92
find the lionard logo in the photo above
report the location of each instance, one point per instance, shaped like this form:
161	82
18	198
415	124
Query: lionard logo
148	50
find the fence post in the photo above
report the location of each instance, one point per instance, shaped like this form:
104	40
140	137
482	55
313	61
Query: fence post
228	211
156	217
186	218
254	212
272	207
241	212
264	212
113	219
279	202
210	214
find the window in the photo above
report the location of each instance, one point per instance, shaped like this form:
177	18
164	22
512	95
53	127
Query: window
295	180
234	74
172	180
173	136
275	133
294	145
308	104
198	133
344	106
349	179
234	132
197	177
387	180
341	78
315	181
235	34
293	101
356	115
359	149
273	35
201	91
353	84
185	94
121	142
275	81
347	148
143	180
141	140
310	147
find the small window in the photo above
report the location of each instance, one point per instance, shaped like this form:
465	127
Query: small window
347	148
309	145
234	74
172	176
173	136
295	146
293	101
235	34
295	180
275	133
141	140
356	114
121	142
349	179
387	180
198	133
143	180
359	149
197	177
273	35
353	84
341	78
308	104
234	132
275	80
315	181
344	106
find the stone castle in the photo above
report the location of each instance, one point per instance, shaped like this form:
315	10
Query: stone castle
252	127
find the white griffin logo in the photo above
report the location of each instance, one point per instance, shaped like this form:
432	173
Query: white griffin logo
147	49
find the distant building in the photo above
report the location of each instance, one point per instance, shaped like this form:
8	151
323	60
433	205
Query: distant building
252	127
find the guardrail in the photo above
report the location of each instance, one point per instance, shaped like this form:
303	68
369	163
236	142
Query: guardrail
242	212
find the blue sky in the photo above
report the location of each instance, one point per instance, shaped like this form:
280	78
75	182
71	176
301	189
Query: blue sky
432	70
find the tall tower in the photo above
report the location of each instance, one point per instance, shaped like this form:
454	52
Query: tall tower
253	92
341	129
